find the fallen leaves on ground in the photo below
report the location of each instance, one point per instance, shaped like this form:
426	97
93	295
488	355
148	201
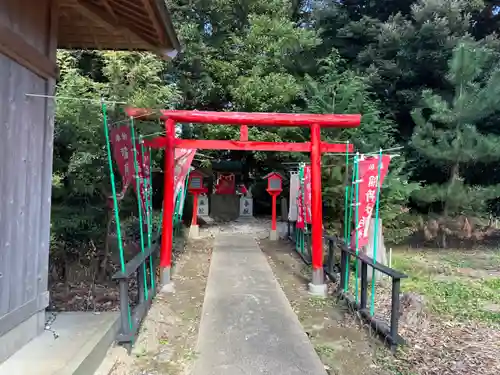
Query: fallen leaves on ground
442	346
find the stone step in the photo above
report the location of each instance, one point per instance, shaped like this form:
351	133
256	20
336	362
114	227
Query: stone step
75	345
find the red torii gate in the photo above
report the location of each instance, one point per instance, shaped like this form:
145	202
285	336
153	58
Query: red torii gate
316	147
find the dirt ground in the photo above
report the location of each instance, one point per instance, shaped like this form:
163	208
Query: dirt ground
166	344
454	334
167	341
343	347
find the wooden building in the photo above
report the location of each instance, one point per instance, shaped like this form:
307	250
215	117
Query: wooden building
30	33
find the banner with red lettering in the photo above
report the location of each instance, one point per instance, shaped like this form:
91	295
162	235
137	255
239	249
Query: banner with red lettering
368	175
123	153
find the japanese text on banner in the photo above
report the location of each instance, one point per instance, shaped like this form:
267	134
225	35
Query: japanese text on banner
367	190
123	153
304	215
300	216
307	195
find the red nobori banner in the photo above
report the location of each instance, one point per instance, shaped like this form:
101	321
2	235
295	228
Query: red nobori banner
143	164
300	212
123	153
367	178
307	194
304	200
183	160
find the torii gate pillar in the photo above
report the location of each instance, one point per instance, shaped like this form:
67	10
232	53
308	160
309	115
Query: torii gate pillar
317	286
168	208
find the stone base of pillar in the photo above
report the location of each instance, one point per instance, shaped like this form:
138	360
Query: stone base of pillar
166	284
318	290
273	235
317	286
194	231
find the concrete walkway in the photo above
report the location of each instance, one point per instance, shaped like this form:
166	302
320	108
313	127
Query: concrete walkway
248	326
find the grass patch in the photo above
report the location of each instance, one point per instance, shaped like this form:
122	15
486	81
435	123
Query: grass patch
459	297
485	260
319	302
324	350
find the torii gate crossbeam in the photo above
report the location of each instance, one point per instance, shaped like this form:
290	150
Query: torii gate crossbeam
244	119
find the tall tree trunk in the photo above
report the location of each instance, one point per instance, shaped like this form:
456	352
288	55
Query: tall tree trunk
454	176
66	268
101	272
102	267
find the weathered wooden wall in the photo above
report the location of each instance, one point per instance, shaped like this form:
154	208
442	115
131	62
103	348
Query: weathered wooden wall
26	138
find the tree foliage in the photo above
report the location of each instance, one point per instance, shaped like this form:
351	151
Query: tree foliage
81	187
449	137
423	73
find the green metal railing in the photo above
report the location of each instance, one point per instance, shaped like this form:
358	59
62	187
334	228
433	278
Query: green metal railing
142	267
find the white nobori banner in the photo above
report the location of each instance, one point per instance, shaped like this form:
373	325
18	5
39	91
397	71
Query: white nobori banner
294	192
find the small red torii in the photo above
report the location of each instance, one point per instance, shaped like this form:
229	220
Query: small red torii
244	119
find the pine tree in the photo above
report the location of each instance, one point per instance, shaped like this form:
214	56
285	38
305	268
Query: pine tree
341	90
447	134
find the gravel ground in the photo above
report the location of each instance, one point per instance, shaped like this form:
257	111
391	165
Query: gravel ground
166	343
259	226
